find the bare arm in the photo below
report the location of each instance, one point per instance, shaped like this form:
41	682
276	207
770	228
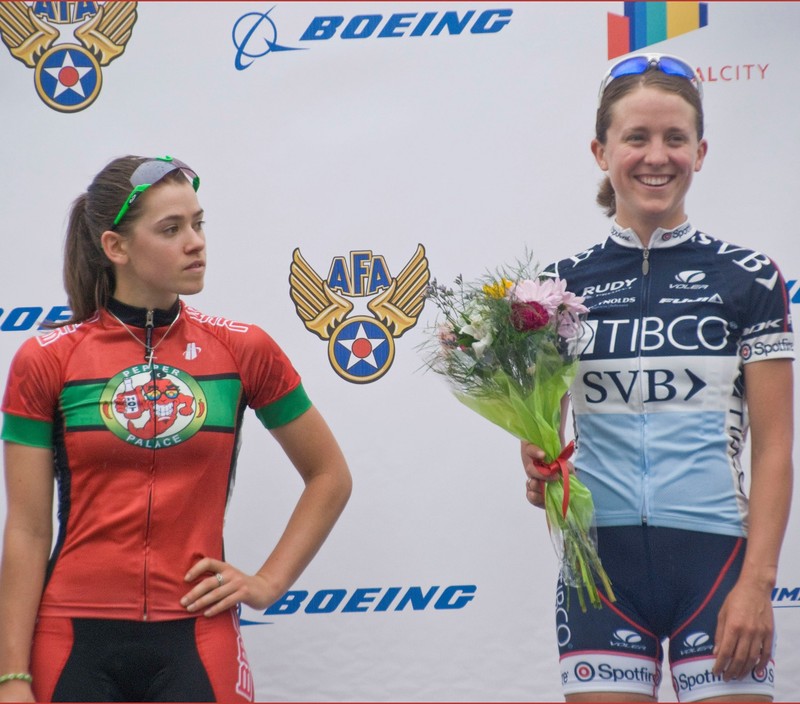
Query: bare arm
26	547
745	625
312	449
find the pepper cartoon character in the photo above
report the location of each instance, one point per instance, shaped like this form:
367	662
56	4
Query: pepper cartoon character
159	400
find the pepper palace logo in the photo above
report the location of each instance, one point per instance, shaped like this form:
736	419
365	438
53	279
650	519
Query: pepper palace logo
153	408
360	346
67	75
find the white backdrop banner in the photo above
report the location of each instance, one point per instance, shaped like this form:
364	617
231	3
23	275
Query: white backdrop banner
372	143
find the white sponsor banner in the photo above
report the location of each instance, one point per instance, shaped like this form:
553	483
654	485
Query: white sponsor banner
352	133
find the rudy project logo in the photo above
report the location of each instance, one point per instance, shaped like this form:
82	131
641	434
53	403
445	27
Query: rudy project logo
153	408
255	34
360	347
646	23
68	76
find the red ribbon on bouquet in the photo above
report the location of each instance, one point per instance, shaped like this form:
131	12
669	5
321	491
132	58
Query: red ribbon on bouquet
559	464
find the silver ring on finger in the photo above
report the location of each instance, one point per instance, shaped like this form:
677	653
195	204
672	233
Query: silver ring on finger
220	579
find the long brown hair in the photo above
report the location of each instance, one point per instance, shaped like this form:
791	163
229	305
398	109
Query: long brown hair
89	276
618	89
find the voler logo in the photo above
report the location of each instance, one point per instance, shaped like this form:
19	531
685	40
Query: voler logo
627	636
67	75
630	640
360	347
153	408
697	642
690	277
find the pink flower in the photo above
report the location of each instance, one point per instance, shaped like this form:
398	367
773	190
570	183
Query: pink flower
569	325
550	293
528	316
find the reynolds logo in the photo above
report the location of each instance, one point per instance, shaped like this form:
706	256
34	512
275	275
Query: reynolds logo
255	34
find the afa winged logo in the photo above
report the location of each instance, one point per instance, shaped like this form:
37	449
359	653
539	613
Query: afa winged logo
68	76
360	346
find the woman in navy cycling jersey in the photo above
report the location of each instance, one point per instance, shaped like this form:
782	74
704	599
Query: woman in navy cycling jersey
687	356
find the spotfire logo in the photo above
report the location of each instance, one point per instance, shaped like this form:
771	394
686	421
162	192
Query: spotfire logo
67	75
360	347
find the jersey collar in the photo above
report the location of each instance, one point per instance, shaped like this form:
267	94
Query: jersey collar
660	238
137	317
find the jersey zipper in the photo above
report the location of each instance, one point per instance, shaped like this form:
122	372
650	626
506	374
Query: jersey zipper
148	332
645	307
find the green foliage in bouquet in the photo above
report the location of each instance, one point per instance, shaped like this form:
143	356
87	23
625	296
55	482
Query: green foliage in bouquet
507	345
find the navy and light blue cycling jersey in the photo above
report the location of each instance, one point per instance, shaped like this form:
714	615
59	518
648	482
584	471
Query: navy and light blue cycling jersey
658	404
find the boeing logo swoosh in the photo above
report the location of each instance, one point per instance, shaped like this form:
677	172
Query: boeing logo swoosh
255	35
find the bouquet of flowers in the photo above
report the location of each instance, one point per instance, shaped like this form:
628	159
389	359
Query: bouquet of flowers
508	348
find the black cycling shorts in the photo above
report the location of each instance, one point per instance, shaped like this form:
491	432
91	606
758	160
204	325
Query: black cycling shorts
105	660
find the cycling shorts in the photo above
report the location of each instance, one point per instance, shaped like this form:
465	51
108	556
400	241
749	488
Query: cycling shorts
105	660
669	584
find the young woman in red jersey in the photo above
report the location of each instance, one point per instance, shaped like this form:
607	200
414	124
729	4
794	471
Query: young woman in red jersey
134	407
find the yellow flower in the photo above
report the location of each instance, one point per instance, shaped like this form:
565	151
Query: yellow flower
498	288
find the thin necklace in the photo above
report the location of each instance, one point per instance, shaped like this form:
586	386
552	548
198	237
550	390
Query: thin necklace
149	349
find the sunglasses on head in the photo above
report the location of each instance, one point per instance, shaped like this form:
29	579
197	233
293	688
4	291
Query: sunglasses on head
151	172
637	65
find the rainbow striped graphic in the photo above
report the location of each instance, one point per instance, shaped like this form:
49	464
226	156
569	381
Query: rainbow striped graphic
645	23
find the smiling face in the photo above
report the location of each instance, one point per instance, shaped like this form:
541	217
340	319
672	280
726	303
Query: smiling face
650	154
163	255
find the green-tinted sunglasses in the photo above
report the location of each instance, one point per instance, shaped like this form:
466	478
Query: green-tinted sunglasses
151	172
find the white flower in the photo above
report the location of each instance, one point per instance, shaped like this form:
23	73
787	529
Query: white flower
479	328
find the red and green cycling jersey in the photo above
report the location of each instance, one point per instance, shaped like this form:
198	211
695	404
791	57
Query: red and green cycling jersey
144	454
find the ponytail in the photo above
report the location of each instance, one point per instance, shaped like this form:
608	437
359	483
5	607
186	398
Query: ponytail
607	198
89	277
88	274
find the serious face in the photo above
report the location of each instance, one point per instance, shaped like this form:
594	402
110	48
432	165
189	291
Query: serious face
164	254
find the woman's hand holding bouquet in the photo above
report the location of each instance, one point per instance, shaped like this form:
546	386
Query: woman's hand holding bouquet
508	347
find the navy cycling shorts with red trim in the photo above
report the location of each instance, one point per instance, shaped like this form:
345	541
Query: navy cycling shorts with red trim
105	660
669	584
